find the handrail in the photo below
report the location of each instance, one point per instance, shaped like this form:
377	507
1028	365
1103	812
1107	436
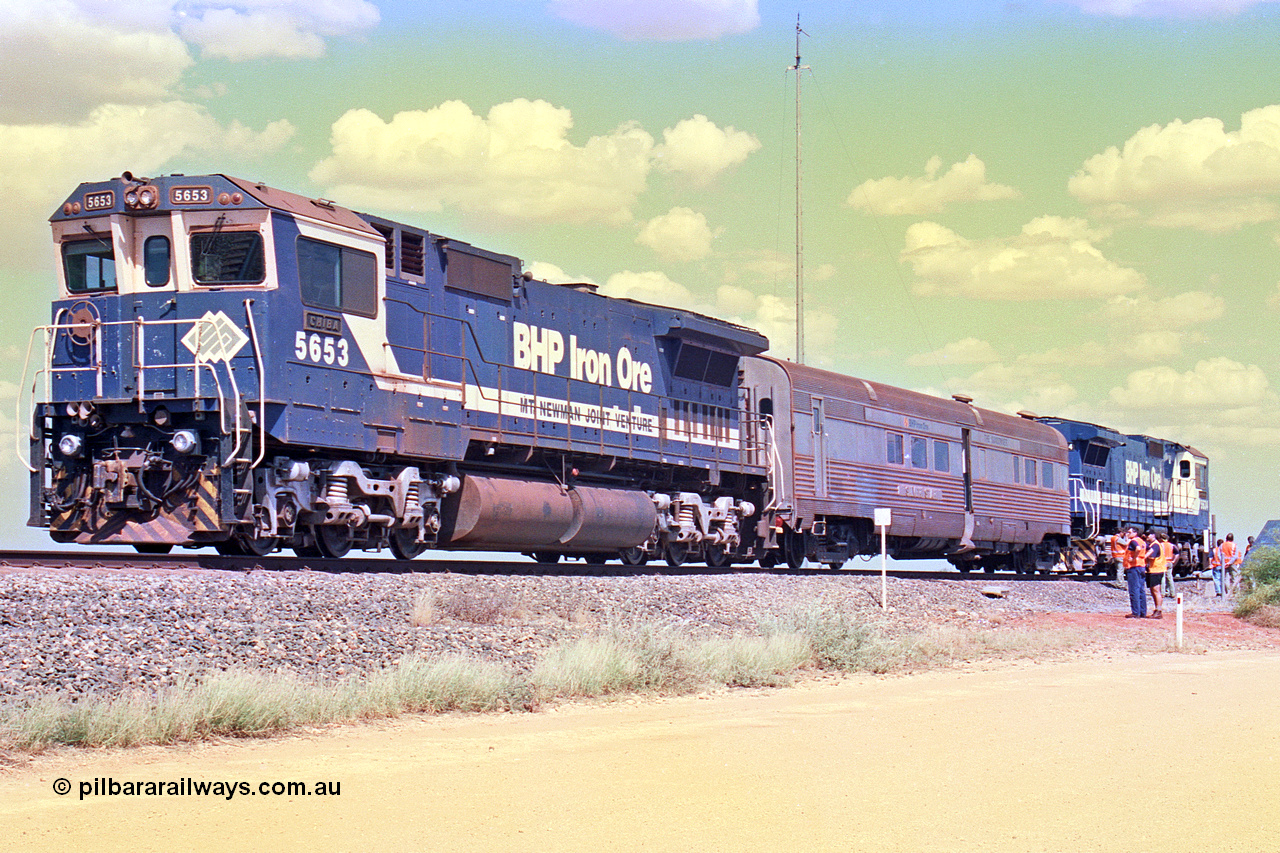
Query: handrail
18	419
50	331
262	386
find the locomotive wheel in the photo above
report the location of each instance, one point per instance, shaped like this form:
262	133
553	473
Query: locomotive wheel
633	556
228	547
717	557
676	553
255	546
333	540
550	557
306	551
152	547
404	543
768	559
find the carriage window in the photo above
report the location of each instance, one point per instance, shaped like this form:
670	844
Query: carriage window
941	456
1031	472
90	265
338	278
227	257
919	452
893	448
155	261
1046	474
1017	469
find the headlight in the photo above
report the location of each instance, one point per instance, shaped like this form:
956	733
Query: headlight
70	445
185	441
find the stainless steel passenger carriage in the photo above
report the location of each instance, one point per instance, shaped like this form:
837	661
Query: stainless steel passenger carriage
966	484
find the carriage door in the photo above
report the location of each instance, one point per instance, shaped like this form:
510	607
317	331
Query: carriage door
153	284
966	442
819	448
966	459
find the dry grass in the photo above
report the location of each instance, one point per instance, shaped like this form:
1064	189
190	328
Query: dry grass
423	611
621	659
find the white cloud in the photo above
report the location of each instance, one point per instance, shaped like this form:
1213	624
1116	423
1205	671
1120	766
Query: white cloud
59	61
1052	258
1174	312
661	20
696	148
768	314
1166	8
46	162
254	29
1143	329
1217	385
1193	174
543	271
63	58
1020	387
680	234
655	288
962	182
1273	301
964	351
515	164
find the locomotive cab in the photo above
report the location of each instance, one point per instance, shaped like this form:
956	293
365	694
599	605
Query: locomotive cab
162	385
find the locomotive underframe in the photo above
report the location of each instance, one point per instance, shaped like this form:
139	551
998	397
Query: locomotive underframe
127	483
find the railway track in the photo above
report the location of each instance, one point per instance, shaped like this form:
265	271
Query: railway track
191	560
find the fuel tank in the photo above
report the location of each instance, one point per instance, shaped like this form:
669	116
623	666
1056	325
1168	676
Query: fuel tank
504	513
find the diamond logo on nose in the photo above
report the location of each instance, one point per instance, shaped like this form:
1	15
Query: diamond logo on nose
214	337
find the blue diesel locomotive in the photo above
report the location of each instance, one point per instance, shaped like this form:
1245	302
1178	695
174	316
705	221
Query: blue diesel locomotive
1120	481
237	366
234	366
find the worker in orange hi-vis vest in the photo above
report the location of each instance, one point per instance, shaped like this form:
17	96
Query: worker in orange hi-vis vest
1119	545
1159	553
1135	569
1231	560
1216	570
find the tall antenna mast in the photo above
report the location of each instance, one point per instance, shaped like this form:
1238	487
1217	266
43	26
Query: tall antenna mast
798	68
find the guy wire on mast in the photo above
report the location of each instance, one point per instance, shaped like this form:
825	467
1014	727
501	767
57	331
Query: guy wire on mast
798	68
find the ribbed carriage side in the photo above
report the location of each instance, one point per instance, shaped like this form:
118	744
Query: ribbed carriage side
956	478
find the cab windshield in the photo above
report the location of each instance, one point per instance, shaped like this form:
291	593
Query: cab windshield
89	265
227	257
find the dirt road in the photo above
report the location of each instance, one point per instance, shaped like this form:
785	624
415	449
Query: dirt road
1165	752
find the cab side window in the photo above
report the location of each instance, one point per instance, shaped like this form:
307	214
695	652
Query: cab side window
337	277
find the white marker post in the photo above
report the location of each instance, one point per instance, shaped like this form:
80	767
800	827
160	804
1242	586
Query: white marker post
1179	629
884	517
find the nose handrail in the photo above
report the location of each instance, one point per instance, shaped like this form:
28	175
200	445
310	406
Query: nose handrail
229	422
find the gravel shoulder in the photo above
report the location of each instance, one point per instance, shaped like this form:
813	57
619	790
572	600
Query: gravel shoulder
79	631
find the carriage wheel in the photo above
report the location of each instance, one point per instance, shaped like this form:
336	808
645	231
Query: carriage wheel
794	548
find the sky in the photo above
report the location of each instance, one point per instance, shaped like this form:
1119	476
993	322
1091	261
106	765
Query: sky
1070	207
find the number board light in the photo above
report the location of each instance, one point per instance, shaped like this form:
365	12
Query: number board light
104	200
191	195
